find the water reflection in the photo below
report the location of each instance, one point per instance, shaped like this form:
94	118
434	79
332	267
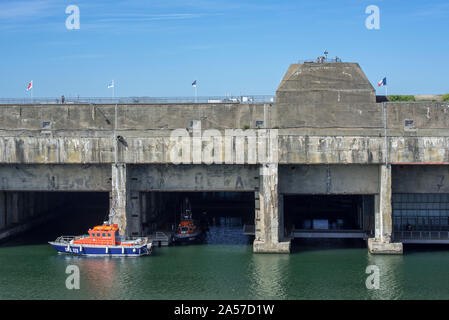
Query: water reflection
268	274
391	272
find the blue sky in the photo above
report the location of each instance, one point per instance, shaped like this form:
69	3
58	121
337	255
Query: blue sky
157	48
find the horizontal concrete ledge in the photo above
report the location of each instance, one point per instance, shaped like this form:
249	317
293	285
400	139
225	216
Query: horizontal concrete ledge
423	241
341	234
378	247
279	247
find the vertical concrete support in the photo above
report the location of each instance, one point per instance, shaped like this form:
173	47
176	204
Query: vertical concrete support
381	243
269	233
119	196
2	210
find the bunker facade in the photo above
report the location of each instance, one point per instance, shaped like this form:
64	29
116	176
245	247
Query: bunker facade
324	143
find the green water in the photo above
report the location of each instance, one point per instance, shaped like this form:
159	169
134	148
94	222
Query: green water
224	268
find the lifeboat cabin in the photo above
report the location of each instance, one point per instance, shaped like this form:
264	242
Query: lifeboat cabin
106	234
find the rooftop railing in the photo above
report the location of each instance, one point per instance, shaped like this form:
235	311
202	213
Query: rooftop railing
254	99
321	60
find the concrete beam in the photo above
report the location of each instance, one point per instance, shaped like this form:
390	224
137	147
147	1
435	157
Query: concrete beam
69	177
194	177
159	148
420	179
328	179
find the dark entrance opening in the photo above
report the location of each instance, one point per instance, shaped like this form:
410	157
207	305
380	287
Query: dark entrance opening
330	217
59	213
221	214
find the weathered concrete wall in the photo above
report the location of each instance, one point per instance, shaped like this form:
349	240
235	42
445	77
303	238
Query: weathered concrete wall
330	149
323	82
420	179
428	117
293	148
334	116
129	117
20	149
88	121
55	177
331	179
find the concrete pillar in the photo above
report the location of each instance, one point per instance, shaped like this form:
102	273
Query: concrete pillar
269	229
381	243
120	196
2	210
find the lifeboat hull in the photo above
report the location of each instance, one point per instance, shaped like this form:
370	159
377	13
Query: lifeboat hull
101	250
189	237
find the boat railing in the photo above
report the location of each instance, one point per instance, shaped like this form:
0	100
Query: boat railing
67	239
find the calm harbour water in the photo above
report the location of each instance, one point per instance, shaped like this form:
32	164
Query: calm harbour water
223	268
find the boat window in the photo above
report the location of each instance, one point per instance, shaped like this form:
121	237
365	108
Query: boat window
109	234
98	235
104	234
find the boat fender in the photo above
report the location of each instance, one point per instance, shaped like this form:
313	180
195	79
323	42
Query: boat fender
134	250
107	250
123	250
